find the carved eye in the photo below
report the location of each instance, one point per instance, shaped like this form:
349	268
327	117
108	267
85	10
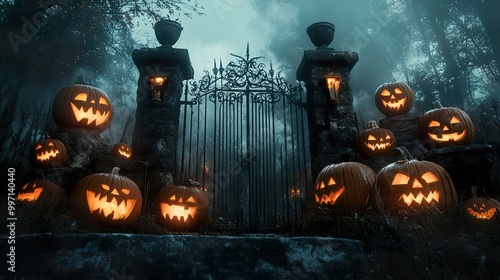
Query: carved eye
388	137
172	198
81	97
103	101
400	179
434	124
26	185
50	144
38	147
191	199
398	91
322	186
429	177
371	138
385	93
454	120
106	187
126	191
331	182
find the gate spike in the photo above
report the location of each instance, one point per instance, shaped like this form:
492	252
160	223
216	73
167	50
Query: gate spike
248	50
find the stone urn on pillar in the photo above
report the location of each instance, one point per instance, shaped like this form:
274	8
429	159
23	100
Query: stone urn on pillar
161	73
326	73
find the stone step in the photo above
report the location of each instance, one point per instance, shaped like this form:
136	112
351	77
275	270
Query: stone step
133	256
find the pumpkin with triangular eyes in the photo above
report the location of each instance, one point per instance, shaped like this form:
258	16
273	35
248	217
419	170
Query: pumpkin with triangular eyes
43	193
394	99
82	105
345	187
182	208
415	184
446	126
48	153
122	150
375	141
107	198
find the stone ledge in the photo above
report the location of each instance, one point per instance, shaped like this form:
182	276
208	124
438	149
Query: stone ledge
121	256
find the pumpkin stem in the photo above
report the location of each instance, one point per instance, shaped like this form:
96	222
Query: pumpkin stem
372	124
473	190
115	171
437	105
405	153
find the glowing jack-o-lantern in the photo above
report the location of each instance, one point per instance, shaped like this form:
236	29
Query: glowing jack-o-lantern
122	150
107	198
446	126
394	99
481	208
48	153
413	183
182	208
345	187
43	193
82	105
375	141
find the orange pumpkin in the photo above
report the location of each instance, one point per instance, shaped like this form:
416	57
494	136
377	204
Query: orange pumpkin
415	184
48	153
107	198
82	105
375	141
180	207
122	150
345	187
394	99
481	208
43	193
446	126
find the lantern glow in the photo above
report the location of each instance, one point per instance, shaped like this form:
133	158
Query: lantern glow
333	84
157	86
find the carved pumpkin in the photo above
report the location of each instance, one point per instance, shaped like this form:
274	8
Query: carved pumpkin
481	208
375	141
413	183
345	187
180	207
48	153
394	99
43	193
82	105
122	150
446	126
107	198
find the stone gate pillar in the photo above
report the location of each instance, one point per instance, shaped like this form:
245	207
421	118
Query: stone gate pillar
326	72
158	106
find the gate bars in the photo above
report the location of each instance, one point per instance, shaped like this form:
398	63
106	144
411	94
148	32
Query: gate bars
244	139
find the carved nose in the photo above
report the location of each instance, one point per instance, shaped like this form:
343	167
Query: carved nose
417	184
393	97
445	128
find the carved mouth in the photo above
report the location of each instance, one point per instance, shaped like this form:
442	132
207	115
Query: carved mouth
43	156
119	211
395	104
125	154
483	215
377	146
408	199
329	199
80	114
182	213
32	197
455	136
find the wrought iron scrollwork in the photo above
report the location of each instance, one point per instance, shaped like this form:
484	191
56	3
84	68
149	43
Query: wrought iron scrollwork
245	77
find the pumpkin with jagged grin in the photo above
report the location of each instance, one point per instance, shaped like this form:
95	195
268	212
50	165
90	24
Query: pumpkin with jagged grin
394	99
345	187
82	105
44	194
107	198
122	150
182	208
48	153
375	141
415	184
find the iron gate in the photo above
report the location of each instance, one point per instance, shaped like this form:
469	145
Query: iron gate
244	139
